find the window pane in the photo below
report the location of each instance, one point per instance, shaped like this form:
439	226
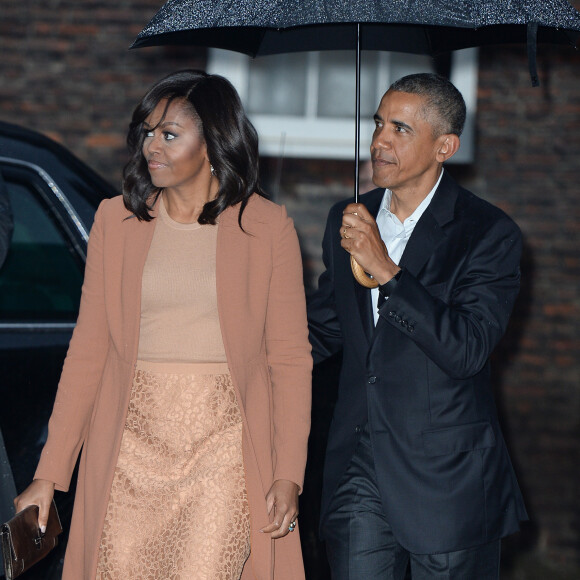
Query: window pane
337	84
41	278
277	85
314	83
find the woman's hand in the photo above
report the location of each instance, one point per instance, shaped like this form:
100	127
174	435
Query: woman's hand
40	492
283	500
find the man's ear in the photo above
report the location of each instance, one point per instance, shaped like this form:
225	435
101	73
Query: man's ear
448	146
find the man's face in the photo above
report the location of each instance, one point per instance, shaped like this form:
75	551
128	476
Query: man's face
404	152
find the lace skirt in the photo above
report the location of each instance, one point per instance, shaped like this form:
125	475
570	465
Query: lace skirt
178	507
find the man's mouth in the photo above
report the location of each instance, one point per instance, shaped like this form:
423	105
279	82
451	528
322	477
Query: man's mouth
382	161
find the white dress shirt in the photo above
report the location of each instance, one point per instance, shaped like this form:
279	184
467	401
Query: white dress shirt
396	234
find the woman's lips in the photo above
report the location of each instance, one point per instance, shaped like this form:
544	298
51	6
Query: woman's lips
152	164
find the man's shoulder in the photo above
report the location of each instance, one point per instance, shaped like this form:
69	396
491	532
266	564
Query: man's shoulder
479	210
472	209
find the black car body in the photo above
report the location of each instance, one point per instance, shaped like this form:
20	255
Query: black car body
48	198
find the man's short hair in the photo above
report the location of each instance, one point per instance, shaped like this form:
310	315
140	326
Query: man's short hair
441	96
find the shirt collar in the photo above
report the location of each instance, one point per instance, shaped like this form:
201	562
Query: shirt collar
414	217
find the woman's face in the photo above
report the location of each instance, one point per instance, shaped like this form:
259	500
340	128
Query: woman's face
174	148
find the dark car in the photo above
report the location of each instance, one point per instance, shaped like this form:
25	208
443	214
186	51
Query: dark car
48	198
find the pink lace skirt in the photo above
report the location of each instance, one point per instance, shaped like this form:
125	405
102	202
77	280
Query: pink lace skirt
178	506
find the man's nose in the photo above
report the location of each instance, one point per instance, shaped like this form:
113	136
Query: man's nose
380	139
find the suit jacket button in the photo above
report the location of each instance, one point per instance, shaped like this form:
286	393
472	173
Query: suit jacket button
357	429
372	380
391	314
411	328
404	324
397	318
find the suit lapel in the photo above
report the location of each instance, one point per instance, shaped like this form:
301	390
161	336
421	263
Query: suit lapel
422	243
372	202
428	232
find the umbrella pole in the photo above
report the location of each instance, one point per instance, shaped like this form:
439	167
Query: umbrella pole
357	117
360	275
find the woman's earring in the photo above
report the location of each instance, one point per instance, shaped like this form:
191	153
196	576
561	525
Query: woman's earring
211	169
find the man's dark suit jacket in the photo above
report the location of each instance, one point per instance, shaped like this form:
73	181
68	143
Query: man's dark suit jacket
421	378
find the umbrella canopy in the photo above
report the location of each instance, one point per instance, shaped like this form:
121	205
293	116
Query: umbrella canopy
433	27
265	27
262	27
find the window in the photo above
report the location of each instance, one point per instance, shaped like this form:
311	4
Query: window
302	104
41	277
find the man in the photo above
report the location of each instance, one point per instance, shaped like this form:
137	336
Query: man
416	466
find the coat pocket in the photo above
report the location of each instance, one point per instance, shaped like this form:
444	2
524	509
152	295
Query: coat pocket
458	439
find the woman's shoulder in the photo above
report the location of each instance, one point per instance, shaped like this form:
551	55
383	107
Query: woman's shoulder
262	210
112	215
115	220
113	207
261	217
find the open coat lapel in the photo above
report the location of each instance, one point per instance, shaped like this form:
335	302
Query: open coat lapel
428	232
372	202
134	254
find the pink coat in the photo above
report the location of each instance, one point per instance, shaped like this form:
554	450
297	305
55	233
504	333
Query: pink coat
263	322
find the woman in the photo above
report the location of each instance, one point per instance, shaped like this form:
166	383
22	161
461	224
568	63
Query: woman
187	380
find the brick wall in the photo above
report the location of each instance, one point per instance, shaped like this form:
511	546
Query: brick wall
528	148
66	71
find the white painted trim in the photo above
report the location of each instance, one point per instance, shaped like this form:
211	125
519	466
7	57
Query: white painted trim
323	138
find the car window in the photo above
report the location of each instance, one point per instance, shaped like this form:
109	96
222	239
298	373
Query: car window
42	274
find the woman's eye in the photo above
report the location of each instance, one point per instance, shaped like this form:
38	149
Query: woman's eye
169	136
148	133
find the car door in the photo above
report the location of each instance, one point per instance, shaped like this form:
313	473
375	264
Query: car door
40	286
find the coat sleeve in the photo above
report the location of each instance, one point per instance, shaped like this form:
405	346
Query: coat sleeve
325	330
460	333
288	354
82	371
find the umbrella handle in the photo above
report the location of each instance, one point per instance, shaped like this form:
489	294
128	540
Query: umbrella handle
361	276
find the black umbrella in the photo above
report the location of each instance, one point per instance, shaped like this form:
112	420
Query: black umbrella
261	27
433	27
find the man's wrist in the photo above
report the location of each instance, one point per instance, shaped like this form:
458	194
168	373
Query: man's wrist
387	288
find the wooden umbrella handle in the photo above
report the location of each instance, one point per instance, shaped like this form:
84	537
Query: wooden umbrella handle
361	276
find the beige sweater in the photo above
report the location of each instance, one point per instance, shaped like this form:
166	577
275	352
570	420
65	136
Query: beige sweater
179	316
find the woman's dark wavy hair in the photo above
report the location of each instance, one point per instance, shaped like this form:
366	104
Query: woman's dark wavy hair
231	140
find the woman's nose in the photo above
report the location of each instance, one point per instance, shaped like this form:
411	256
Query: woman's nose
152	144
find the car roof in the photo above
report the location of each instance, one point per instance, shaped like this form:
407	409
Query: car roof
73	176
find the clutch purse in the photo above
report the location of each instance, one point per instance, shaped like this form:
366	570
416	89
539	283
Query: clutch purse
23	544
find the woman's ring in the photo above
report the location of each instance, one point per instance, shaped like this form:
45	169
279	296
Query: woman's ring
292	526
344	234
